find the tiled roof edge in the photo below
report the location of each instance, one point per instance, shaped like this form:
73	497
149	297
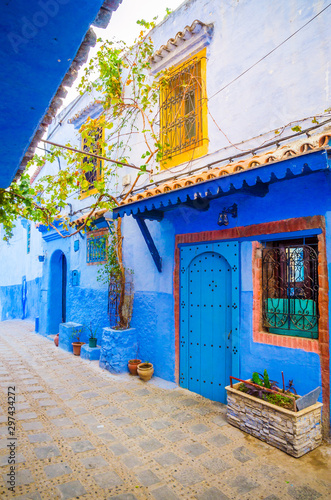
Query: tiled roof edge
294	149
90	107
189	36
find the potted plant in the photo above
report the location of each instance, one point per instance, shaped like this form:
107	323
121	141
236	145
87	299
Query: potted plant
133	363
92	341
133	366
145	371
77	344
277	416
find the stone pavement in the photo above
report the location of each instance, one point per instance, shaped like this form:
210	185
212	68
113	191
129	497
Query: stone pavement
84	433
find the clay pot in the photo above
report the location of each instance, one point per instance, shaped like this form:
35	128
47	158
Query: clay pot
77	347
133	365
145	371
56	340
92	342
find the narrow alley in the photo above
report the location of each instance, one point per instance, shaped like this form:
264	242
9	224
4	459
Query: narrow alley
81	432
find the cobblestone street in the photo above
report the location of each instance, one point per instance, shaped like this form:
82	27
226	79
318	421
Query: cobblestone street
85	433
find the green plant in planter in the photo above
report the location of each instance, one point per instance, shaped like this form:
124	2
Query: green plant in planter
93	334
76	343
76	335
119	281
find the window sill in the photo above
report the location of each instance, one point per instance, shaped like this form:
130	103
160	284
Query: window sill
86	194
186	157
308	345
96	263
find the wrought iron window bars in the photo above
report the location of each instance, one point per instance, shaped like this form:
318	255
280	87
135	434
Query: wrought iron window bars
290	290
96	249
95	173
181	104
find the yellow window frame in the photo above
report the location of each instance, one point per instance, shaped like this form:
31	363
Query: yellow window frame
183	112
98	166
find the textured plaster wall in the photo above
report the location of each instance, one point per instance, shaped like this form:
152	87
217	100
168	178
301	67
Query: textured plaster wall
276	91
16	263
86	302
243	32
153	307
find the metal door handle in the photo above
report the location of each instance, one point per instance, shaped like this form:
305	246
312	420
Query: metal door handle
229	335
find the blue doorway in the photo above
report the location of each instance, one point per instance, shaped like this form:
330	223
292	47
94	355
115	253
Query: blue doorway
57	292
209	318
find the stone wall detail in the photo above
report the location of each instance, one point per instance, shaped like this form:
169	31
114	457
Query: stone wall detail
68	333
296	433
117	347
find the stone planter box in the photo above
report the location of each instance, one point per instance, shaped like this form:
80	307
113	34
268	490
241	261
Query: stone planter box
296	433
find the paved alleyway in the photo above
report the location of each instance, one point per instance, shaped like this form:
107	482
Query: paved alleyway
84	433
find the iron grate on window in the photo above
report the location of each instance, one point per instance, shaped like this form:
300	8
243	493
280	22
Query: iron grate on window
96	249
96	165
181	103
290	290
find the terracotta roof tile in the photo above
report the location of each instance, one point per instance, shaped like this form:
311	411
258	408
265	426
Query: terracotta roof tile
85	111
97	214
181	37
287	151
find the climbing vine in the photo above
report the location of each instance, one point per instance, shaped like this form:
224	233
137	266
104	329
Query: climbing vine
118	76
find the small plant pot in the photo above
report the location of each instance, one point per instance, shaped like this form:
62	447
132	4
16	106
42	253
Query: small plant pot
56	340
145	371
133	365
92	342
76	346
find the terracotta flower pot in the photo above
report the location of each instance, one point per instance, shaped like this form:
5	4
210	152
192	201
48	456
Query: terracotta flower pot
56	340
133	365
145	371
77	347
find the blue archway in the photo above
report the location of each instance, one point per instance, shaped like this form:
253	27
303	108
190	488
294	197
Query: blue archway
57	288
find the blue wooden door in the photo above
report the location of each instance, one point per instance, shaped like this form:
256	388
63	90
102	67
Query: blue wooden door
209	318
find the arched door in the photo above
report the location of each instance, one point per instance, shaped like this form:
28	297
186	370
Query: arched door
209	318
57	292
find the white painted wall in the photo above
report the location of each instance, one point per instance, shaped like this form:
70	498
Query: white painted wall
290	84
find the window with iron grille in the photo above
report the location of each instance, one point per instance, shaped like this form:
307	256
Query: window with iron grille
290	287
96	249
183	112
92	144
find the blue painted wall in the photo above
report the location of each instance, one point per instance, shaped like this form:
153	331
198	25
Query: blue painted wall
88	305
11	301
154	309
153	320
232	47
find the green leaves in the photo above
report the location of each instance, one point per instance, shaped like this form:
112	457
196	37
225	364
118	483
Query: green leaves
256	379
119	75
266	380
